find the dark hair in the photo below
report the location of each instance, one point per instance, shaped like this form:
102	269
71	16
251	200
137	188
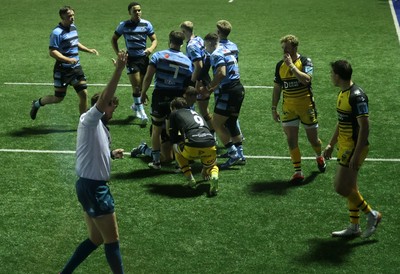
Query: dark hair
96	96
64	10
178	103
191	91
176	37
212	37
132	4
343	69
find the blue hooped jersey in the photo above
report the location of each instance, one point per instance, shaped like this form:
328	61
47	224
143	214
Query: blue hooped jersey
173	69
135	35
195	49
231	46
65	40
224	57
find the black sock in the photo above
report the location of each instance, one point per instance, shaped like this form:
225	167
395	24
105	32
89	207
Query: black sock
114	258
228	145
80	254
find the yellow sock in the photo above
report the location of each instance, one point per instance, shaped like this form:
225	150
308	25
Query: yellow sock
356	199
296	158
183	164
214	171
354	213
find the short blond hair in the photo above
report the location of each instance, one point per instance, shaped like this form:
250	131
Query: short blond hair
224	27
187	25
291	39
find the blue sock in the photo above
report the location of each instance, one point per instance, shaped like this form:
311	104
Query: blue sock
156	154
37	103
138	102
114	258
80	254
239	149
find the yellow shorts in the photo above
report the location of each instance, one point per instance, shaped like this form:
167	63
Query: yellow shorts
207	155
345	153
302	110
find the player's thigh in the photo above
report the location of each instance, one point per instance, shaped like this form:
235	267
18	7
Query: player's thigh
107	225
219	120
94	234
308	114
345	180
135	79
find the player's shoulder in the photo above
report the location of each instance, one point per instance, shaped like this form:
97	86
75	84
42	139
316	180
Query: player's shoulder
356	90
279	64
306	61
57	30
144	22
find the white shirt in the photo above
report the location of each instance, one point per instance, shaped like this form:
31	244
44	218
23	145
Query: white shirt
93	156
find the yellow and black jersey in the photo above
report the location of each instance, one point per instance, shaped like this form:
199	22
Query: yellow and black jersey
293	88
351	104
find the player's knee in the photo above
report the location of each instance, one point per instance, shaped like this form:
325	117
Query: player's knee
59	96
97	240
157	123
81	89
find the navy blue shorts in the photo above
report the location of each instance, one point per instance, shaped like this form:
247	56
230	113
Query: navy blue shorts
229	100
67	76
95	197
137	64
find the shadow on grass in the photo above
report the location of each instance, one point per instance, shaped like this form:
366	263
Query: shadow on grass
177	190
39	130
127	121
332	251
280	187
141	174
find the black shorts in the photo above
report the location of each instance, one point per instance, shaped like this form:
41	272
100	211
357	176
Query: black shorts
161	100
95	197
137	64
229	99
67	76
204	76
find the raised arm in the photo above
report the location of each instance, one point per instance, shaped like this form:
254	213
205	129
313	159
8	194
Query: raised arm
109	91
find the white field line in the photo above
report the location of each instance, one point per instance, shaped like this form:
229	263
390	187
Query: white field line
103	85
395	19
128	154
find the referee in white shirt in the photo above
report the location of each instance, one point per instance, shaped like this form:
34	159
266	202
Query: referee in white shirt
93	159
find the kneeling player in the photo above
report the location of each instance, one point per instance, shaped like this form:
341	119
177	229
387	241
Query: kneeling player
192	139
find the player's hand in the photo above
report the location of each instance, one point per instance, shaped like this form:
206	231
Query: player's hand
147	52
72	61
287	59
275	116
121	60
93	51
118	153
353	163
144	98
328	152
204	92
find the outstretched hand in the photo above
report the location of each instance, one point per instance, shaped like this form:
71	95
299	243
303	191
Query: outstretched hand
120	63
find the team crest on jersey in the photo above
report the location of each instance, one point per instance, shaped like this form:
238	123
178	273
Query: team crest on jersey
166	55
